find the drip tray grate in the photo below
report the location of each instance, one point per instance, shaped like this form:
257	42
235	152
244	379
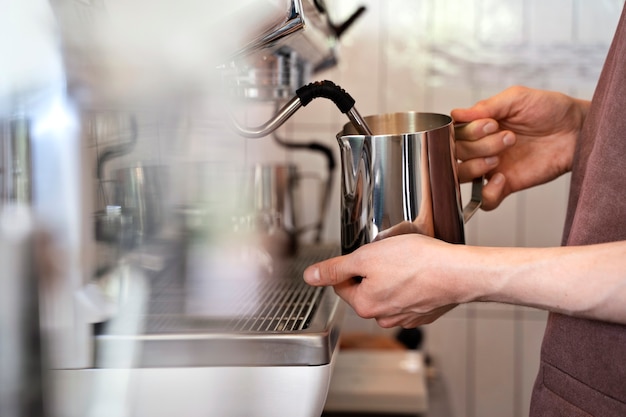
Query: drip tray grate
283	306
192	300
193	318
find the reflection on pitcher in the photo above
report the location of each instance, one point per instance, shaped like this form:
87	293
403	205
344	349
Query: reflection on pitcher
273	196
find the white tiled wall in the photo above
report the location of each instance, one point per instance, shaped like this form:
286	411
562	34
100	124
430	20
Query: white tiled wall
434	55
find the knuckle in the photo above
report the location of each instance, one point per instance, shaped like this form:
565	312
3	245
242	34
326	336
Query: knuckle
386	322
332	273
363	311
516	90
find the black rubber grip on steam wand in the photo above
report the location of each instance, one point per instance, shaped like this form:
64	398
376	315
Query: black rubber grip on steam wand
326	89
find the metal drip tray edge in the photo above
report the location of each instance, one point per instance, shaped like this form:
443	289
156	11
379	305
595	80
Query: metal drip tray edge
311	347
171	339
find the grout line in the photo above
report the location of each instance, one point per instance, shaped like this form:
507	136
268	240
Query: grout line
383	70
470	363
575	32
518	364
526	24
575	21
520	221
427	92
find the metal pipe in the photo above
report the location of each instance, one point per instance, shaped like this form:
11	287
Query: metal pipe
304	95
358	122
270	126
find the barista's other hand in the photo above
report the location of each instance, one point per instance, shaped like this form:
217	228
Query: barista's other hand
402	282
518	138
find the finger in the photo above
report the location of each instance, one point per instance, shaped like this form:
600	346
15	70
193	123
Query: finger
410	320
401	228
330	272
474	168
346	291
430	317
471	114
396	320
495	107
475	129
487	146
494	192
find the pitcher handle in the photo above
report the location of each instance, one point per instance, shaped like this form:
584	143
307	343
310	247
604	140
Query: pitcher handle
476	200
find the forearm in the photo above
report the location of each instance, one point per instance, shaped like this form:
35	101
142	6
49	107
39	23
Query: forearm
583	281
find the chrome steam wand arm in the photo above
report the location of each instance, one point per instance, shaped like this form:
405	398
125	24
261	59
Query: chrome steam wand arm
304	95
271	125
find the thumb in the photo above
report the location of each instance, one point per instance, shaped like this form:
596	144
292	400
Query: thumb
330	272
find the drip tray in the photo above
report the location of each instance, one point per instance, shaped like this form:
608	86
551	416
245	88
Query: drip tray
208	311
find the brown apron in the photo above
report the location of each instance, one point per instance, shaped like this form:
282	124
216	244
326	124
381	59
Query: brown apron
583	362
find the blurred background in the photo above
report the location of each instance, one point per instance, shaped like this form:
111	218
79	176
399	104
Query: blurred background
89	102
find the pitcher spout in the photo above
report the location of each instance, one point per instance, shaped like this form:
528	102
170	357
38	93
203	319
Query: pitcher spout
356	191
351	152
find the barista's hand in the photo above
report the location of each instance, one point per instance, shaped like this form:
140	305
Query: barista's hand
406	227
403	283
518	138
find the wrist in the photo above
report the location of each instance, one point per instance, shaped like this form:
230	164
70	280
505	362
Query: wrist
487	273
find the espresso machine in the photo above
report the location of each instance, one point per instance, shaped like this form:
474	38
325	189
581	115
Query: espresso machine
156	296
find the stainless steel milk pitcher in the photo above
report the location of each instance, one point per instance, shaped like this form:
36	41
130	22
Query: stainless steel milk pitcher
406	171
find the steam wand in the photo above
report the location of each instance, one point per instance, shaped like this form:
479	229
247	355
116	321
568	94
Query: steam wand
304	95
